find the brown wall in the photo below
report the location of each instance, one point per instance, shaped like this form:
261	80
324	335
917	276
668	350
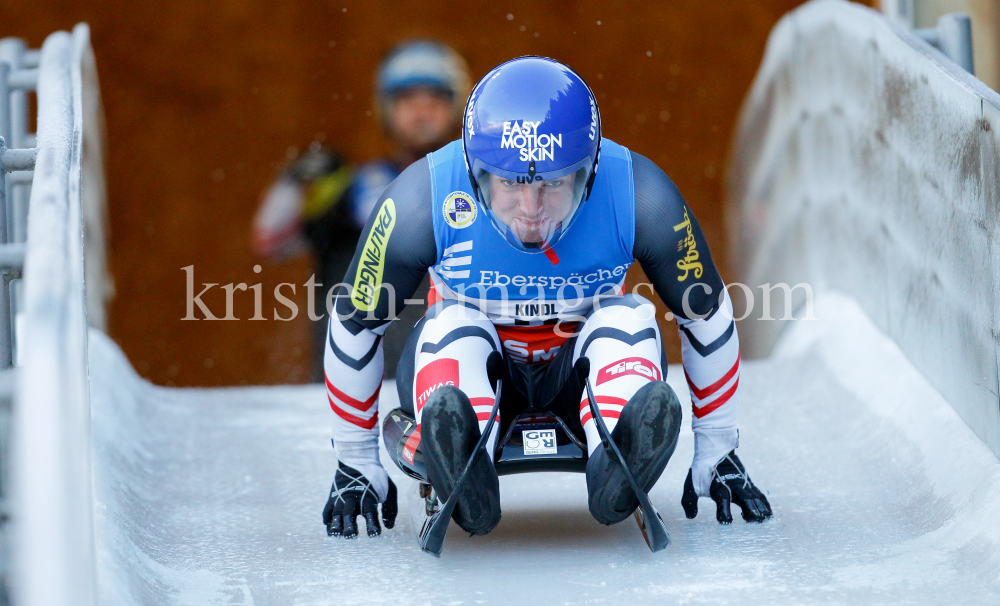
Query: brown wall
204	97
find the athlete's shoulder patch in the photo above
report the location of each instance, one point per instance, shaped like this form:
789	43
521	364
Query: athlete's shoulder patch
459	210
368	280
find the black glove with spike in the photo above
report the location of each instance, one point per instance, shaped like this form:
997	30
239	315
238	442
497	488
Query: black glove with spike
730	484
352	495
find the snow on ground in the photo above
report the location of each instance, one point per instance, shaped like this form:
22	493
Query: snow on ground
881	495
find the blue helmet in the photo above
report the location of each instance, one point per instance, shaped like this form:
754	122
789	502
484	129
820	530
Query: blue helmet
532	140
422	63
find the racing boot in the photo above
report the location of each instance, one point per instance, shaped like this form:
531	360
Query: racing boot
450	431
646	435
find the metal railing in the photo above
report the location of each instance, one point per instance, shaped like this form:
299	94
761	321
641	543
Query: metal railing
952	35
18	76
51	201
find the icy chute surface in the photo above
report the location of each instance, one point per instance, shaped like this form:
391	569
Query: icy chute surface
881	494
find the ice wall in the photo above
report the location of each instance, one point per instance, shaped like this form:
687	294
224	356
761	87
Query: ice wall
51	501
866	161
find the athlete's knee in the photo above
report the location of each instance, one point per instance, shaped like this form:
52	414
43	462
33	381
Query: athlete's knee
628	308
628	318
451	322
622	339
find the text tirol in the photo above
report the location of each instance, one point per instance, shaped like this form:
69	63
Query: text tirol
368	281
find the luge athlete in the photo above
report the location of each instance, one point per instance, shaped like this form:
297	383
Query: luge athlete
527	226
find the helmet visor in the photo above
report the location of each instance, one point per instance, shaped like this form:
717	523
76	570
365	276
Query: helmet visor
533	215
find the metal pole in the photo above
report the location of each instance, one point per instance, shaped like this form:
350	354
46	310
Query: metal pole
5	155
12	257
9	60
31	58
956	39
6	336
5	100
953	37
17	159
900	11
5	112
22	79
19	80
6	332
18	189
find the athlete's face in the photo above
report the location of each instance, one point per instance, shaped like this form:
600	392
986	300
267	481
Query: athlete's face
532	211
421	119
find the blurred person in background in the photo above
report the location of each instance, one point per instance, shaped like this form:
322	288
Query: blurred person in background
320	202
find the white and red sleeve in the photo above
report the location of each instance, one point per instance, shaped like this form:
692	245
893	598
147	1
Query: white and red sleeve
710	351
353	366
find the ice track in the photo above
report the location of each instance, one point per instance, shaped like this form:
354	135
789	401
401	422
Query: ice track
881	495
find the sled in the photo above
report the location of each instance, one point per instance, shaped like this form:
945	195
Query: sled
535	441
